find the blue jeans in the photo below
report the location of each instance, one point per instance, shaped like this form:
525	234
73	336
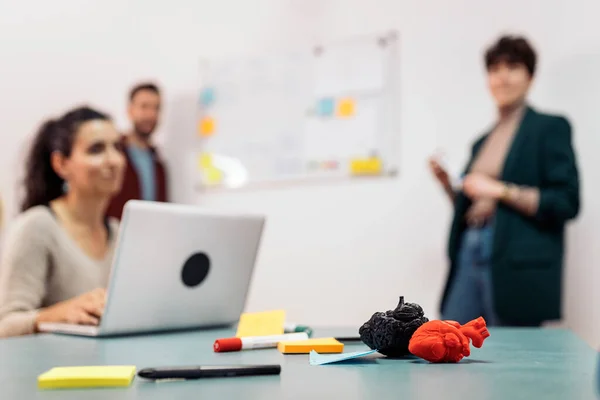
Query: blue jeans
470	295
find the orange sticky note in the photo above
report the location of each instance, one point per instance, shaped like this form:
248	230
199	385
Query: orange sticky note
345	107
320	345
207	126
261	323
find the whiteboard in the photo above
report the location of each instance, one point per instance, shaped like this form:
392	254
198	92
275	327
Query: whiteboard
323	112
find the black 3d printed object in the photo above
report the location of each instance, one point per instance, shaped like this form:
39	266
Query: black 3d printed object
389	332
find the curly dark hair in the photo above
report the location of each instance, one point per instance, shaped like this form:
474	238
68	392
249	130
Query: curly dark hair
514	50
42	183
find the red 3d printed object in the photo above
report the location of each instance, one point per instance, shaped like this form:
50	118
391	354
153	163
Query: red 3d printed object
447	341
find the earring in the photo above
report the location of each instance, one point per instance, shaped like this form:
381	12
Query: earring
65	187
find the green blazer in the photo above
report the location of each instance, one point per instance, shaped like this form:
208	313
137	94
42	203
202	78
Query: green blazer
527	254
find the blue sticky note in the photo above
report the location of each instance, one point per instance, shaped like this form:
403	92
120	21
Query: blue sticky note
207	96
325	107
320	359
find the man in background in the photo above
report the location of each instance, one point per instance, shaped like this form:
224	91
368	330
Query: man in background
145	175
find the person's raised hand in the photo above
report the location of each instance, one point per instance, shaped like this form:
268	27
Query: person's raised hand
439	172
86	309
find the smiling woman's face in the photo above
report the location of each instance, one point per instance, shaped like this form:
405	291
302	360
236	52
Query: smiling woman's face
96	163
508	83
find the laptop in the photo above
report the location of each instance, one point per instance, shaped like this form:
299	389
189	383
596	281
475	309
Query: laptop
176	267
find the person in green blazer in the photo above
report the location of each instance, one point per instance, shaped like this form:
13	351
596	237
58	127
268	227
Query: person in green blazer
518	191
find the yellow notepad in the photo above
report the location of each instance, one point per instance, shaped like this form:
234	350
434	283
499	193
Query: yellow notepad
320	345
261	323
84	377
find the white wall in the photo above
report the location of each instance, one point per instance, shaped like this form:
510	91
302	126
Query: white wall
331	255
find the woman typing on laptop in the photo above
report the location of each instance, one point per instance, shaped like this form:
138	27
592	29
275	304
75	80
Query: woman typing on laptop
58	253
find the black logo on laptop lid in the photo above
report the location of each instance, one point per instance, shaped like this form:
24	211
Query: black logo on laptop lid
195	270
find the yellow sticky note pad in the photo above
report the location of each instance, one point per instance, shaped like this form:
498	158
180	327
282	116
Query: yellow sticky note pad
320	345
87	377
367	166
261	323
346	107
206	126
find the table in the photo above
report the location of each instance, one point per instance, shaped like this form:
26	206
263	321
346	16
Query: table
513	364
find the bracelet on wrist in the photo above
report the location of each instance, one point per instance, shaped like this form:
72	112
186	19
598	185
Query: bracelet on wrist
509	192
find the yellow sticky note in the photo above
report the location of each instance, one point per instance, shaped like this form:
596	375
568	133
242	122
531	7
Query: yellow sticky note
345	107
204	161
213	175
366	166
320	345
84	377
207	126
261	323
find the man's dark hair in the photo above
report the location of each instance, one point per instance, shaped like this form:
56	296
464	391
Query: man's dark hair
514	50
141	87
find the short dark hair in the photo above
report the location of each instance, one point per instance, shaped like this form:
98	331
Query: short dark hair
512	49
141	87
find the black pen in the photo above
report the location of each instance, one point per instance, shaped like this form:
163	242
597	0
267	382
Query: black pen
348	339
213	371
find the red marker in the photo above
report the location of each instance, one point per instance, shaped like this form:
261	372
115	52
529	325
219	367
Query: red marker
255	342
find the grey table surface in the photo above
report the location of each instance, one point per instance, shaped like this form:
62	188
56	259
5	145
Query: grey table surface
513	364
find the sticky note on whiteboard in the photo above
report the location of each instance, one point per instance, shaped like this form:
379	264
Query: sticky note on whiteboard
346	107
206	127
213	175
261	323
207	96
204	161
325	107
210	174
366	166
